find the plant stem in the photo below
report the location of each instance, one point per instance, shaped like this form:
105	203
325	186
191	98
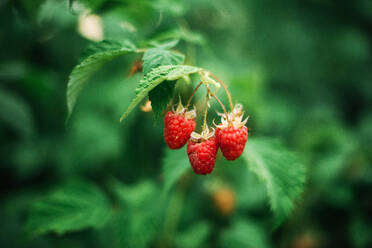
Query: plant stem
192	94
226	90
206	111
223	107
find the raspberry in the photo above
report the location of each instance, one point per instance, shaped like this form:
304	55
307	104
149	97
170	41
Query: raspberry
232	141
232	134
178	126
202	152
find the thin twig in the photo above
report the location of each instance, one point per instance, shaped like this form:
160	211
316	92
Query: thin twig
226	90
223	107
206	111
192	94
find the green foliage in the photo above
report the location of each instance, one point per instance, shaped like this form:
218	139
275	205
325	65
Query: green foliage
175	165
196	236
156	57
280	170
93	59
161	95
93	4
73	206
130	229
28	8
360	233
104	47
168	44
15	113
155	77
136	196
55	12
244	234
302	72
181	34
139	212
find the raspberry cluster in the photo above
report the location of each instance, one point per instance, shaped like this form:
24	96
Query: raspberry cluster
230	135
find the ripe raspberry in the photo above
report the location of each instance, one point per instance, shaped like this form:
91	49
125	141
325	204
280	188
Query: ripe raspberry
202	152
232	134
178	126
232	141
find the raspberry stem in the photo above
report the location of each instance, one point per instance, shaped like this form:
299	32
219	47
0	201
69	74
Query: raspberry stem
223	107
192	95
206	111
226	90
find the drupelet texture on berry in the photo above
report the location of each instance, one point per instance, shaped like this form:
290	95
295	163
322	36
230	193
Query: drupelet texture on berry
232	134
232	141
178	126
202	154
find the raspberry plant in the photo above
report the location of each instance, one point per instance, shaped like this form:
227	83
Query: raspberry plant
162	69
299	69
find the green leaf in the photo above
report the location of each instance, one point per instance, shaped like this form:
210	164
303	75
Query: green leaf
244	234
106	46
165	44
73	206
93	59
195	236
161	95
180	34
135	229
93	4
137	219
281	171
175	165
55	12
16	113
156	77
156	57
135	196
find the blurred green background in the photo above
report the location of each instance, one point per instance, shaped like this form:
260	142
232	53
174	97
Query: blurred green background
301	68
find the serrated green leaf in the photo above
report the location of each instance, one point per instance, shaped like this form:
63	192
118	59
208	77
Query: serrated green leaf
106	46
156	77
156	57
161	95
281	171
100	47
73	206
93	59
175	165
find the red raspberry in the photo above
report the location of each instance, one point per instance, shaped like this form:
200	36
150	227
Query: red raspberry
232	141
232	134
202	153
178	126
